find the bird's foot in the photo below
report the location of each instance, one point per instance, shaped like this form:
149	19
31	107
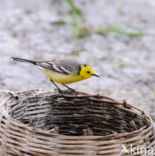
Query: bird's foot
69	89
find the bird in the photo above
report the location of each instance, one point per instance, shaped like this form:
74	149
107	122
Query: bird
62	71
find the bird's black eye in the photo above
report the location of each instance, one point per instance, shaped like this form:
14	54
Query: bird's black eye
88	71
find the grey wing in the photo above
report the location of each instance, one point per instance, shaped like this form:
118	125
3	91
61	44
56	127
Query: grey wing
62	66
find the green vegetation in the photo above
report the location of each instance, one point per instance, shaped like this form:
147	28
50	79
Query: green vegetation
77	18
76	10
121	31
122	64
147	105
80	30
62	22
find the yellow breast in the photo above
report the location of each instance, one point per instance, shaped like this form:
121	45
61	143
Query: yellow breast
62	78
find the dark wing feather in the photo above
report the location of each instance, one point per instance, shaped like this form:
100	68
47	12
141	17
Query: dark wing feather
62	66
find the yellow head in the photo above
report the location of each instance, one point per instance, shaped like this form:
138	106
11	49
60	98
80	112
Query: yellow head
86	72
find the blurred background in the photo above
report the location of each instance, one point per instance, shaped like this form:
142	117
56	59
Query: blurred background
117	38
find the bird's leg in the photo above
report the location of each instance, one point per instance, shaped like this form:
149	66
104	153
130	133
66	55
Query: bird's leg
69	87
56	86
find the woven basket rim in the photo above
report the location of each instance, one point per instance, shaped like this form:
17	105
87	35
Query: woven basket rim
46	132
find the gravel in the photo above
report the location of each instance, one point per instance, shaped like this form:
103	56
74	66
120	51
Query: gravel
126	64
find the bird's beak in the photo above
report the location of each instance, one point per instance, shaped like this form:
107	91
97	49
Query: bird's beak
96	75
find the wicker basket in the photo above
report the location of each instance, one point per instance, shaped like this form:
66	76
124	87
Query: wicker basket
45	123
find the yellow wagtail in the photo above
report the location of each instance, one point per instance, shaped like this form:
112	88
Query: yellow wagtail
63	72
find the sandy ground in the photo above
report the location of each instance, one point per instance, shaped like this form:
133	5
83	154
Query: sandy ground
126	64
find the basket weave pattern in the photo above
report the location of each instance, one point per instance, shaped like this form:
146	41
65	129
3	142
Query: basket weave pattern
40	123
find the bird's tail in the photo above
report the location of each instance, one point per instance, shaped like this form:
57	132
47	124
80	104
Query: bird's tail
23	60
